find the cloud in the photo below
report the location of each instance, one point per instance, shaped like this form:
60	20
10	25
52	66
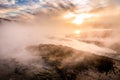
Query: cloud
84	5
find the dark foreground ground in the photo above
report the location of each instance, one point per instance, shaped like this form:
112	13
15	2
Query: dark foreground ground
56	62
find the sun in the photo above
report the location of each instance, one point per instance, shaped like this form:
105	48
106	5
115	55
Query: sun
80	18
77	18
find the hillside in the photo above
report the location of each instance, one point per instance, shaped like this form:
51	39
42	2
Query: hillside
57	62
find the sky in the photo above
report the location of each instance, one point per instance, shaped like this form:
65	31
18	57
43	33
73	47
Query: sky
19	7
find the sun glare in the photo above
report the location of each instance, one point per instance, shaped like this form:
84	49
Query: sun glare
77	31
69	15
77	18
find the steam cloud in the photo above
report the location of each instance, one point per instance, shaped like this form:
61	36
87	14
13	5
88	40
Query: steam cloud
45	27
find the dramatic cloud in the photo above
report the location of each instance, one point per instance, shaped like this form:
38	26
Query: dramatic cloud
18	7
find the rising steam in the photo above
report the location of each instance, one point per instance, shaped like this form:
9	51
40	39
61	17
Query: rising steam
45	26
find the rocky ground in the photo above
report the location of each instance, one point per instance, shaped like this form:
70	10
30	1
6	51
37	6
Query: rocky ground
57	62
